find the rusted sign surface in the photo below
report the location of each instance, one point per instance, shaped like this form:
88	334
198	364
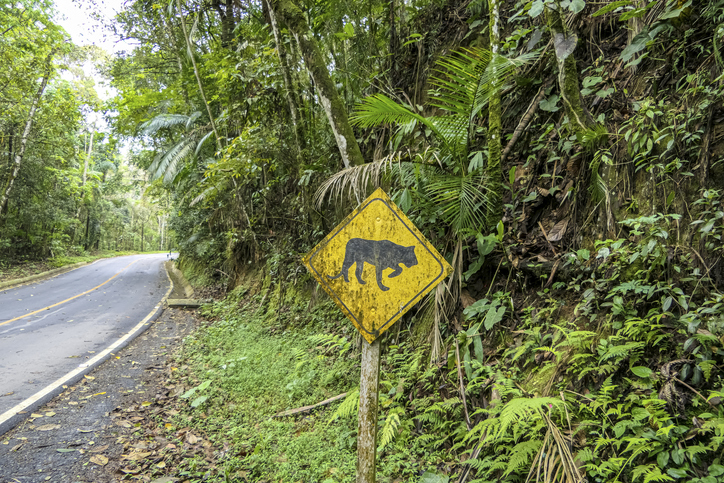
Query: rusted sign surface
376	265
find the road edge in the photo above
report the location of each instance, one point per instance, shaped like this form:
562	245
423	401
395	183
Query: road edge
10	418
38	276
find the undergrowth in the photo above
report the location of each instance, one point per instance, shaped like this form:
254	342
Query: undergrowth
612	374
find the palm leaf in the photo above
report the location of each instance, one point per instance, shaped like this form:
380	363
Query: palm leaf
166	164
380	110
163	121
354	180
462	200
202	141
466	80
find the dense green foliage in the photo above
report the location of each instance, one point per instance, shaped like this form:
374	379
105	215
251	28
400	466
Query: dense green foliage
581	333
64	187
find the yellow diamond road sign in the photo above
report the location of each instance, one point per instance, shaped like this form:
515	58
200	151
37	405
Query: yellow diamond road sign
376	265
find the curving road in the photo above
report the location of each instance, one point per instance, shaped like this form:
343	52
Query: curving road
52	328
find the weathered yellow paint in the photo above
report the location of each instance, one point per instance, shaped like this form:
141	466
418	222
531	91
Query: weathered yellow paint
370	307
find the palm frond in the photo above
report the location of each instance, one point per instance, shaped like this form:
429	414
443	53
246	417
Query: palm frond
162	121
496	74
192	119
355	180
462	199
453	129
202	141
167	164
554	462
465	80
379	110
457	79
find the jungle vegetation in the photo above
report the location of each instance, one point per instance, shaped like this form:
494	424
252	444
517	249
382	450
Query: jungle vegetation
564	155
65	188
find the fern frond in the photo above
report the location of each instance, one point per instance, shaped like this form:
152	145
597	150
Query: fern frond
523	408
349	406
389	430
521	454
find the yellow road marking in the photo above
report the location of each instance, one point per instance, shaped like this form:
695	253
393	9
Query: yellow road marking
68	300
55	386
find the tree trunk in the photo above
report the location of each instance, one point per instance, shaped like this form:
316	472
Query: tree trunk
87	156
291	92
564	43
294	19
494	169
198	76
26	133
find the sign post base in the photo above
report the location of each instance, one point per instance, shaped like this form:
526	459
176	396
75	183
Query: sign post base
368	404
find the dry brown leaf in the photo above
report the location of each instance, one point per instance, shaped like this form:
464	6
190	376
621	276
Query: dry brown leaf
558	230
99	449
192	438
36	415
99	459
47	427
49	414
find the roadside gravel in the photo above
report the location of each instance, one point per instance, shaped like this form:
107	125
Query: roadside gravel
109	422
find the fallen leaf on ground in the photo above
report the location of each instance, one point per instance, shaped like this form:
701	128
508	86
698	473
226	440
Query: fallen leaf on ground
65	450
49	414
36	415
165	479
100	449
48	427
99	459
90	378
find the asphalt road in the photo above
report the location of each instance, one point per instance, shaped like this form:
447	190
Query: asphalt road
51	328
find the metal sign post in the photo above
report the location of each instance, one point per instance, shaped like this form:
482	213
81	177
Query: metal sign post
395	267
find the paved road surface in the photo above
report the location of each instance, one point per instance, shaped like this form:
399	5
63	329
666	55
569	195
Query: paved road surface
50	328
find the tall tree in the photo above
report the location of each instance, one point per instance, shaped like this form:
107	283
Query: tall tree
494	168
18	160
336	113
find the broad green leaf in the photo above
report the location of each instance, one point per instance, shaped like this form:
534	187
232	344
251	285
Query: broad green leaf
549	104
536	8
642	371
611	7
493	317
428	477
199	401
677	472
577	5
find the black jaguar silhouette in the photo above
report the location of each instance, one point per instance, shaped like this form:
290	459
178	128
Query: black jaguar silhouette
380	253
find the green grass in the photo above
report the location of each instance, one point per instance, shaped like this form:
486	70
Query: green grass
63	261
260	364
